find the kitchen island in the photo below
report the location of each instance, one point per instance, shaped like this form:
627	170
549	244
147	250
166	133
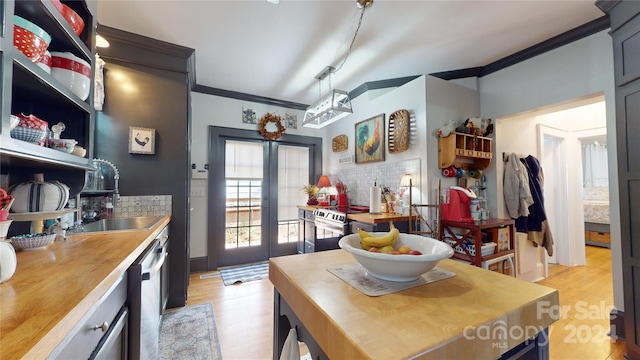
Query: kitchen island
53	289
477	314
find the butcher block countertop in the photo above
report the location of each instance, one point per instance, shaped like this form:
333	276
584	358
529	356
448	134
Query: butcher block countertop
446	319
52	289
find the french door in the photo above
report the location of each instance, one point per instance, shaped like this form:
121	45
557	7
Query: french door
255	187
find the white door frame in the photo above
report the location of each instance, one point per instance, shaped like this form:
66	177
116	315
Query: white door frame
568	225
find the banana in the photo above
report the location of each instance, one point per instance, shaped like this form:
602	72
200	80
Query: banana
380	241
363	234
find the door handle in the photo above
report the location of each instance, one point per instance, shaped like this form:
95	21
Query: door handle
156	268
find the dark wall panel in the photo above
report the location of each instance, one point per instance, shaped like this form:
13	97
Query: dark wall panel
147	85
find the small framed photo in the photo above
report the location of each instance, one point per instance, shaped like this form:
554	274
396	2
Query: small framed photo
370	140
142	140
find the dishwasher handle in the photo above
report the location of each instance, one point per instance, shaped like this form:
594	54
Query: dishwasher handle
158	266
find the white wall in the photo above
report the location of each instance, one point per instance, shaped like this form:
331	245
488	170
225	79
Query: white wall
432	102
571	72
225	112
445	101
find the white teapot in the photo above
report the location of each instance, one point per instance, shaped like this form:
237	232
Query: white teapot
8	261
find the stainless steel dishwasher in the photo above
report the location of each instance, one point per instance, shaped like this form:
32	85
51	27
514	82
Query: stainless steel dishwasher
144	300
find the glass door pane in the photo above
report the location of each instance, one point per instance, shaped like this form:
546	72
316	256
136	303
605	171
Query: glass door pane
293	174
243	179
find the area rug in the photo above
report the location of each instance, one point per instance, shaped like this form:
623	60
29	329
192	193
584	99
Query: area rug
189	333
244	273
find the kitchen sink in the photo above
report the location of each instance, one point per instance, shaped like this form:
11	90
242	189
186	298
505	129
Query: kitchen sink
132	223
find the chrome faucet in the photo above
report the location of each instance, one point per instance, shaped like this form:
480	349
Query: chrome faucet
116	178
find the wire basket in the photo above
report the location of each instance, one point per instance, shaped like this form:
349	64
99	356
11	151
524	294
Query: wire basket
486	248
34	136
398	138
32	241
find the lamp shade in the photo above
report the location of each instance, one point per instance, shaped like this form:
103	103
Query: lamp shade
324	181
405	181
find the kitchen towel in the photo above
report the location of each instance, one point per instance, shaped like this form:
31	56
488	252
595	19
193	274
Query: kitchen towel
355	275
374	200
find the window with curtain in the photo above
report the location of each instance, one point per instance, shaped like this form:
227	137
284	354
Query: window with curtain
243	176
293	173
596	166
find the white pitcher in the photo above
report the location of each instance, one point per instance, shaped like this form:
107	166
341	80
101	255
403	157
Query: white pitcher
8	261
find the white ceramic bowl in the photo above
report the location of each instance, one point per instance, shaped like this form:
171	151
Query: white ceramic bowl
64	145
72	71
398	267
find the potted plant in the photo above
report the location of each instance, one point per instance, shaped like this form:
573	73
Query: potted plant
311	190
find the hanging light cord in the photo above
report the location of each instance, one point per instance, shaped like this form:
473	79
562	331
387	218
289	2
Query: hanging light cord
350	46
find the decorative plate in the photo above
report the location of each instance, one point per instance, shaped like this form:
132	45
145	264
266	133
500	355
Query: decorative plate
340	143
398	138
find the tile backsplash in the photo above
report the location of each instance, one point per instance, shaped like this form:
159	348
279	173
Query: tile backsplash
147	205
360	178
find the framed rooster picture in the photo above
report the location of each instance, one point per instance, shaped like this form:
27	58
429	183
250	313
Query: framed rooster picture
370	140
142	140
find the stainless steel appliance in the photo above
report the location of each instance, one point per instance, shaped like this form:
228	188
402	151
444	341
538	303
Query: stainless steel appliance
163	237
145	300
330	227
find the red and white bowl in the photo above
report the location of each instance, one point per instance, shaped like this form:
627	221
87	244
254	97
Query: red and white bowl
31	129
29	38
72	17
45	62
72	71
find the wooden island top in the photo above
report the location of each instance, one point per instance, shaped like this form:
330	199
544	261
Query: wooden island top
447	319
52	289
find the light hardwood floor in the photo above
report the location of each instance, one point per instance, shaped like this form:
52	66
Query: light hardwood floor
244	313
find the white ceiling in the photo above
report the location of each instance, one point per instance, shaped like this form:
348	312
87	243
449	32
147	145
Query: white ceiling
276	50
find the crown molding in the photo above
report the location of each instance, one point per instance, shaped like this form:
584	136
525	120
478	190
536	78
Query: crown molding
580	32
248	97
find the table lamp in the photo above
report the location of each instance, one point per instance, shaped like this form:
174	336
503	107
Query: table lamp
323	193
323	196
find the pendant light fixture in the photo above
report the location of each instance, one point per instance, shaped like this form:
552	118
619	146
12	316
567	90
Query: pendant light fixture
336	104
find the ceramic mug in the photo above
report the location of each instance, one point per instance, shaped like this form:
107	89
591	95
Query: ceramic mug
450	171
459	172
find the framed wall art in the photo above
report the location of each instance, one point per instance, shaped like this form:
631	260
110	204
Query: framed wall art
142	140
370	140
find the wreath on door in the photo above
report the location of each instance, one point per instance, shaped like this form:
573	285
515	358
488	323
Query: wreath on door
271	118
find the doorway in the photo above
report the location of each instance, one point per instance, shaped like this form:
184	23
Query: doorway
254	194
552	134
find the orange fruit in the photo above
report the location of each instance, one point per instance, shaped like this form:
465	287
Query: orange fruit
404	249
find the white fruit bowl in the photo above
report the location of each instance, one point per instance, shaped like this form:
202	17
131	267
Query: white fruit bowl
398	267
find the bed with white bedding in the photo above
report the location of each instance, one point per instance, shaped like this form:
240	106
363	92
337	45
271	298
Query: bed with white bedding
596	215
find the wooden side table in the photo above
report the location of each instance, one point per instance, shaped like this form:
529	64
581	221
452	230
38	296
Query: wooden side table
473	233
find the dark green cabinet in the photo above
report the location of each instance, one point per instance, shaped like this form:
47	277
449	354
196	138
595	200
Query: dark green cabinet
625	31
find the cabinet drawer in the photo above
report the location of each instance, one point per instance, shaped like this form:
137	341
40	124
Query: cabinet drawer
598	236
82	341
